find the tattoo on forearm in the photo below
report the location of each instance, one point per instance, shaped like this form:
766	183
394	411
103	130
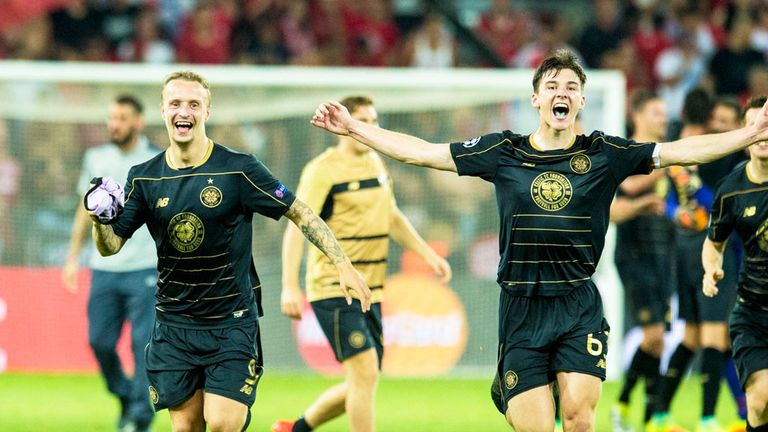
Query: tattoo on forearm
107	243
316	231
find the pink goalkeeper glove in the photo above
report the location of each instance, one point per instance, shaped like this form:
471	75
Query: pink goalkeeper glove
104	200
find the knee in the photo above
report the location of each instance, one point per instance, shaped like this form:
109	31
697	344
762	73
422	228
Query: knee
653	344
187	426
364	376
757	403
220	423
578	418
530	424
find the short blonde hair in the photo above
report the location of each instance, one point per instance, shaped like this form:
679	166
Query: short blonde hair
188	75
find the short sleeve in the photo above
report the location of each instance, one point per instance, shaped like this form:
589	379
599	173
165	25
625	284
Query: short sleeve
314	185
478	156
721	221
135	212
262	193
626	157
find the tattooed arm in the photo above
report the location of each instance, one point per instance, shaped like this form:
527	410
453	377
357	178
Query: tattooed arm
107	242
318	233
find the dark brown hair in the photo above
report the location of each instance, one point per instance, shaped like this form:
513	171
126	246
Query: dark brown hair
561	59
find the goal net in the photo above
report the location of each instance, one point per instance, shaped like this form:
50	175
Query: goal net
50	113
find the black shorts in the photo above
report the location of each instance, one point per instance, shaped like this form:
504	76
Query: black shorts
540	336
647	289
695	307
749	336
348	329
222	361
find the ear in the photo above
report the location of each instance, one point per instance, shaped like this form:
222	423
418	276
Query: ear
208	114
582	102
535	100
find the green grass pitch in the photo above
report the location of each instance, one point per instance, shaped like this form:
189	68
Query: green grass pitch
80	403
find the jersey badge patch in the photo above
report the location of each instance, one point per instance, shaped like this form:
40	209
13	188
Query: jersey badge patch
510	380
580	163
551	191
186	232
471	143
280	191
210	196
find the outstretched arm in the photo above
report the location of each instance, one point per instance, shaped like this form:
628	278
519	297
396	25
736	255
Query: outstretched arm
712	260
706	148
407	237
334	117
317	232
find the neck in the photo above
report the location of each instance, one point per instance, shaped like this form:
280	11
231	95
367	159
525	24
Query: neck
642	136
185	155
130	145
545	138
758	169
348	148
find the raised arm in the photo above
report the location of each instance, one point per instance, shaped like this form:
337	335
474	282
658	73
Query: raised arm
317	232
107	242
406	236
712	260
291	298
706	148
334	117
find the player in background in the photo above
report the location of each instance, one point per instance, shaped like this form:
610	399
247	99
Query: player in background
350	188
643	256
741	206
554	189
122	287
688	204
197	199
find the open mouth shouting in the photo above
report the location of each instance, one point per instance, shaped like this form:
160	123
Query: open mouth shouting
182	126
561	110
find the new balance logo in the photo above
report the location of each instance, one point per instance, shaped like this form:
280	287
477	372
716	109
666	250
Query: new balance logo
601	364
750	211
162	202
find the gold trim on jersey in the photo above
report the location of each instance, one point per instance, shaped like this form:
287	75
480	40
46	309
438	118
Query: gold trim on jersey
483	151
533	144
551	244
199	174
620	147
198	283
545	281
554	230
734	193
198	269
195	257
543	261
205	158
550	216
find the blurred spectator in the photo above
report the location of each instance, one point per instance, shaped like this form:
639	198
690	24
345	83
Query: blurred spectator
148	45
757	83
624	58
328	27
759	36
604	34
260	44
647	35
552	35
505	29
298	35
31	41
730	65
432	45
371	34
172	12
118	19
10	175
205	35
679	69
696	108
73	27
